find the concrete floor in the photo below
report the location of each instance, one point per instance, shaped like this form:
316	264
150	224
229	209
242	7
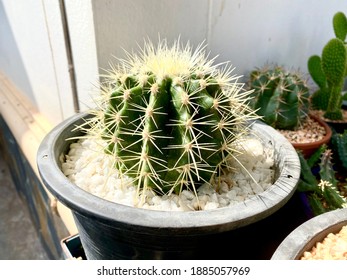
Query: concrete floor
18	238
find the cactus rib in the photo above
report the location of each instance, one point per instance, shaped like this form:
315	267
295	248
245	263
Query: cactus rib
280	97
170	117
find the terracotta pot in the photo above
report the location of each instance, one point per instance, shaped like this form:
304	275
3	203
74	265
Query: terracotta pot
309	148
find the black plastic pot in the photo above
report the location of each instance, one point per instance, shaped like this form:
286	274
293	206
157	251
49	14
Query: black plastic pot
113	231
72	248
338	126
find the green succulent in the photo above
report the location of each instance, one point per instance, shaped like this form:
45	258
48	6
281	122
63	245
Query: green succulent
340	25
330	70
322	191
339	143
279	96
170	117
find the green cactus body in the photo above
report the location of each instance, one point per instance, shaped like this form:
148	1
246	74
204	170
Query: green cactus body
280	97
319	98
334	59
340	25
323	195
327	172
316	204
308	181
339	142
328	184
170	118
315	157
315	69
329	71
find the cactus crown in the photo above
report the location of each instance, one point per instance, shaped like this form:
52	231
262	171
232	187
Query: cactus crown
281	97
329	71
170	117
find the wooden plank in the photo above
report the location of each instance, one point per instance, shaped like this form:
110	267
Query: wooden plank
29	127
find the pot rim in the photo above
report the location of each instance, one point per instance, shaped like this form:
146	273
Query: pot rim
305	236
241	214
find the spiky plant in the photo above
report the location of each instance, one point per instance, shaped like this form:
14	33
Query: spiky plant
339	144
170	117
280	97
329	71
322	190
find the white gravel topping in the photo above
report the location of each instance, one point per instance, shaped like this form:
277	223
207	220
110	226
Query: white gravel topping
93	171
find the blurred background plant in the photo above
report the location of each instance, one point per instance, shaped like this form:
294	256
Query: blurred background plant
281	97
329	71
324	192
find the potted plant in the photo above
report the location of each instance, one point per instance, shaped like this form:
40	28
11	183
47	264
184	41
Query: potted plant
322	238
323	191
323	188
329	72
169	122
282	99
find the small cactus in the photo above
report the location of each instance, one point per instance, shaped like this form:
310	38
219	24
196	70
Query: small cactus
330	70
280	97
323	193
339	142
170	117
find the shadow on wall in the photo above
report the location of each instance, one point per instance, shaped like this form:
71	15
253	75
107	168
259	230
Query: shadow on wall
11	63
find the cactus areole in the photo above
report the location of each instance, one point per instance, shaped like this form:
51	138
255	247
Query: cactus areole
281	97
170	117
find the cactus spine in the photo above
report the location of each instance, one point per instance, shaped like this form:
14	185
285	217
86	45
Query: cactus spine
323	193
329	71
281	97
170	117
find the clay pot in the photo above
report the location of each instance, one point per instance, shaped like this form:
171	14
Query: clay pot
309	148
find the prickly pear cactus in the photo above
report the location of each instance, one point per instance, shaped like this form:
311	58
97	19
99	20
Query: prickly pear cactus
334	62
320	98
340	25
170	117
281	97
330	70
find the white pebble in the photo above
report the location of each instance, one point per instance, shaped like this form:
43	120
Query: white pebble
94	172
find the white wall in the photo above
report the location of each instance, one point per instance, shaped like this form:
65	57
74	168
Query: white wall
81	29
252	33
30	55
121	24
33	54
249	33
